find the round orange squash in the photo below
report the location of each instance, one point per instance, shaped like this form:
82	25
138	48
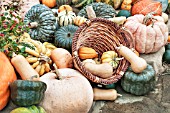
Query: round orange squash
49	3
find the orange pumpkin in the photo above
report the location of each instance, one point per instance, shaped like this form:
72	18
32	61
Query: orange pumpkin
49	3
147	6
7	75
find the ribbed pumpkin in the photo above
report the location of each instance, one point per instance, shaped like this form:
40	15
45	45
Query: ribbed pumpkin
64	36
80	3
26	93
148	38
139	84
7	75
101	10
63	2
42	21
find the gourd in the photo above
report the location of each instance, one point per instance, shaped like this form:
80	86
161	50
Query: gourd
7	76
66	17
42	23
71	93
105	94
125	13
110	57
150	32
147	6
80	3
62	58
30	109
49	3
78	20
65	7
101	10
114	3
118	20
139	84
26	92
166	55
126	5
137	64
87	53
63	2
165	17
64	36
104	70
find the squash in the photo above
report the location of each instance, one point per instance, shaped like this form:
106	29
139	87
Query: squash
42	23
105	94
104	70
126	5
7	75
165	17
101	10
139	84
164	4
147	6
71	93
30	109
115	3
87	53
125	13
110	57
80	3
62	58
49	3
65	7
26	93
118	20
166	55
78	20
137	64
64	36
150	32
66	17
63	2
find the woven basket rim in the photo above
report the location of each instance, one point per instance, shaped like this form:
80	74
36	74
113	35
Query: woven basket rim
77	61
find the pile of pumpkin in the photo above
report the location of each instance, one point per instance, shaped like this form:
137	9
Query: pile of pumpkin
63	89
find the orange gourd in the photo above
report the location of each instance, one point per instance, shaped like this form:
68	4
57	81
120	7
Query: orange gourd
7	75
65	7
126	5
49	3
87	53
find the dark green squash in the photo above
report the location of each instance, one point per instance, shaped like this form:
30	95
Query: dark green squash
101	10
44	22
139	84
26	93
64	36
125	13
167	47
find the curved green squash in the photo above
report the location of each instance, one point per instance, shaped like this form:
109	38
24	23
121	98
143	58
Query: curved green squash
139	84
44	22
101	10
26	93
64	36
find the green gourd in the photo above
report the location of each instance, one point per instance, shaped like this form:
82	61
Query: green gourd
64	36
26	93
139	84
102	10
166	55
42	22
125	13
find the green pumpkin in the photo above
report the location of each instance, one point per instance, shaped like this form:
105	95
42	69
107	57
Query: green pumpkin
139	84
63	2
44	21
101	9
30	109
125	13
80	3
64	36
26	93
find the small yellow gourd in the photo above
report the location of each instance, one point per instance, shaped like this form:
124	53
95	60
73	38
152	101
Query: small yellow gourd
126	5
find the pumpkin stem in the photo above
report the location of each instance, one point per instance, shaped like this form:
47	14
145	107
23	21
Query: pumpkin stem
90	12
119	95
149	18
58	75
33	25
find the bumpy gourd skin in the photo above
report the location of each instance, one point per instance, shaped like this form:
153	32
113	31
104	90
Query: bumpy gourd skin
26	93
139	84
46	22
101	10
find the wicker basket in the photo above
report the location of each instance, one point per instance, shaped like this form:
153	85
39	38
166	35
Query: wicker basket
101	35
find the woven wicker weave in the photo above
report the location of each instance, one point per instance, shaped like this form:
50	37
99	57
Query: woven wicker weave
101	35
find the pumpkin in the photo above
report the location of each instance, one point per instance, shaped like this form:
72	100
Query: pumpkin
125	13
164	4
139	84
148	38
110	57
64	36
87	53
63	2
126	5
49	3
41	21
71	93
101	10
30	109
65	7
80	3
26	93
66	17
147	6
78	20
7	76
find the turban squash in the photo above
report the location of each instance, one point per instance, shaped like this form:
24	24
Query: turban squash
147	38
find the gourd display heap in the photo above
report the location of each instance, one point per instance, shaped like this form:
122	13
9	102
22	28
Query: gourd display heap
47	74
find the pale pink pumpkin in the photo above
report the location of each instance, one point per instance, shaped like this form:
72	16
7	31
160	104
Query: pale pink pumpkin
147	38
